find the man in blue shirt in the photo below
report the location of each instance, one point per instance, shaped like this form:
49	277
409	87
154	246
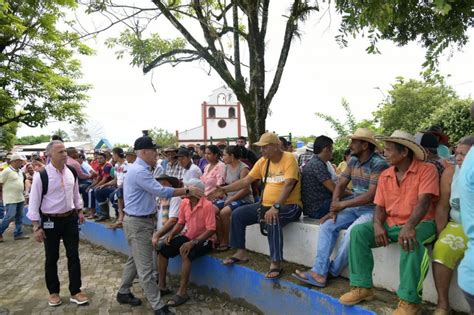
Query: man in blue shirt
140	192
466	267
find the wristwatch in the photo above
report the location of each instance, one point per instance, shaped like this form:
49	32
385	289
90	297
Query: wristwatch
186	190
277	206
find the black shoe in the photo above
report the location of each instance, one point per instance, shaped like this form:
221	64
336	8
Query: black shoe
128	299
163	311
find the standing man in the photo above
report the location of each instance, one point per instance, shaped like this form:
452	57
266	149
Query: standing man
13	189
55	214
248	154
405	208
140	192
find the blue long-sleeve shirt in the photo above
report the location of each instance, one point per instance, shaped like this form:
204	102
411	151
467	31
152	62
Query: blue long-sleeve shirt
141	189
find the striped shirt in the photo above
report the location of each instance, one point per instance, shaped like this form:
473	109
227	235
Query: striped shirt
364	174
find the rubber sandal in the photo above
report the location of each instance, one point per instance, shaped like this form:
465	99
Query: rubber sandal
308	280
177	300
234	260
279	272
165	292
222	248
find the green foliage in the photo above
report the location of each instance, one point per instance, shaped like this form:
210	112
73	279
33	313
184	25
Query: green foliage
455	118
411	104
38	71
163	137
33	139
435	24
121	145
8	136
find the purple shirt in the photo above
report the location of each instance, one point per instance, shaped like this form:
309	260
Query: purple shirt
62	196
202	164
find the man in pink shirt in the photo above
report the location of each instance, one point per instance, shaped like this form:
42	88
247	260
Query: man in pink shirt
55	215
198	215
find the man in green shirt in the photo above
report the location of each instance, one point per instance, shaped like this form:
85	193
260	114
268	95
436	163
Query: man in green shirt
12	183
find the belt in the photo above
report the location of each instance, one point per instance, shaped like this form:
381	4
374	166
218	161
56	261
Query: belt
61	215
148	216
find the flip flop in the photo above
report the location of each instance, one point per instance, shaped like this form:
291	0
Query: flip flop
279	272
309	280
165	292
223	248
234	260
177	300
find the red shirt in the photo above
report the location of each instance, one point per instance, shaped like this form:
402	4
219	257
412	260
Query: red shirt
198	220
400	199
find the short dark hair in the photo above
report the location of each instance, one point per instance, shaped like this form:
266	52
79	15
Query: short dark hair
347	152
284	142
242	138
235	150
400	148
371	146
320	143
56	137
102	154
202	147
119	152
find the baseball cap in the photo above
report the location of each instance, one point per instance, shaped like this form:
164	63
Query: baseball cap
143	143
183	152
17	156
268	138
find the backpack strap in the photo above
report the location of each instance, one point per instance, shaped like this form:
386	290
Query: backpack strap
73	171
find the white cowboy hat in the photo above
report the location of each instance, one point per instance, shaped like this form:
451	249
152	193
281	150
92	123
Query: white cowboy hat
365	134
406	139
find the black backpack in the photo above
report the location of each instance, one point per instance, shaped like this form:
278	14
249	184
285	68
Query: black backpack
45	180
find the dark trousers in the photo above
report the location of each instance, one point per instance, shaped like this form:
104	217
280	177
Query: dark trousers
66	229
247	215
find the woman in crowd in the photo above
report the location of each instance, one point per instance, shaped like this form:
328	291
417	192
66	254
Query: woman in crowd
235	169
452	242
213	175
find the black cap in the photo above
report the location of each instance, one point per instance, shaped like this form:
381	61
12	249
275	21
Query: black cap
144	142
429	141
183	152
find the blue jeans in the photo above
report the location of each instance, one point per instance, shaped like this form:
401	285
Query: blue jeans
247	215
328	233
14	211
102	196
322	211
2	210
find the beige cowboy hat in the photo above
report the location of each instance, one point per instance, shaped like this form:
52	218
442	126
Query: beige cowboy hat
406	139
365	134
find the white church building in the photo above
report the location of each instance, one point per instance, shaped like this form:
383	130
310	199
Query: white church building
221	118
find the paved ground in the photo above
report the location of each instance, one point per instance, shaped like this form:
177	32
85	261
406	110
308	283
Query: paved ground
23	290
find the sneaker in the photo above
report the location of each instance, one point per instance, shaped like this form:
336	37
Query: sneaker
163	311
128	299
20	237
406	308
79	298
54	300
357	295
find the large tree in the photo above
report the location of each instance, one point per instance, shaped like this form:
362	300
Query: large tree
218	32
38	74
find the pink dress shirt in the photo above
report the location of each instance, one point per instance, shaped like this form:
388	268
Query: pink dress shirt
62	196
214	177
77	167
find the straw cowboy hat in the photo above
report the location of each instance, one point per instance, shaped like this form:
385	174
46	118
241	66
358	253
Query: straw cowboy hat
407	140
365	134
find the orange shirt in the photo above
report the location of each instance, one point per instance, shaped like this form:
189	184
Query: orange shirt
197	220
399	200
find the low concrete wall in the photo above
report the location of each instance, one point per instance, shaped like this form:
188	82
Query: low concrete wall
300	244
271	297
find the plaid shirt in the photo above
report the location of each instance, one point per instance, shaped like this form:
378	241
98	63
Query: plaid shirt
174	170
364	174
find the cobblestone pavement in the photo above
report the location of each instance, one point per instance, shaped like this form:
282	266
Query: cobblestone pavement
23	289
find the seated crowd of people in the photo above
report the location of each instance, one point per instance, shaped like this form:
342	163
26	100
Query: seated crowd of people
403	192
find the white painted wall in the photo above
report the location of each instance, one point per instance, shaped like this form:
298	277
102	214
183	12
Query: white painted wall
300	244
192	134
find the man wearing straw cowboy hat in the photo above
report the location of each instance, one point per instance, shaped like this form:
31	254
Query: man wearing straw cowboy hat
404	213
363	170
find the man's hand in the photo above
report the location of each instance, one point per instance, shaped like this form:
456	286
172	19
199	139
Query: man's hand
82	219
217	193
381	238
196	192
39	235
271	216
186	248
155	239
330	216
407	238
336	206
168	239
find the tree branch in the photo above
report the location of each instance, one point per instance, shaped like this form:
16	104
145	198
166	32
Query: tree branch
162	59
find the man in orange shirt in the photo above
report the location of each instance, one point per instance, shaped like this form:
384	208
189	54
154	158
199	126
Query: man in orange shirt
404	213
